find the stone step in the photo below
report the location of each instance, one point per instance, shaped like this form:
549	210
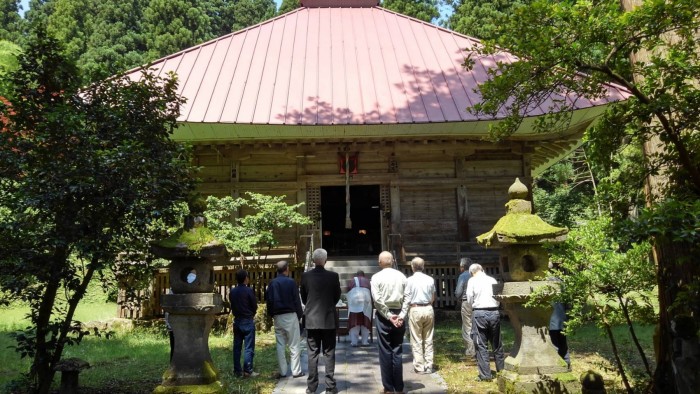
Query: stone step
348	267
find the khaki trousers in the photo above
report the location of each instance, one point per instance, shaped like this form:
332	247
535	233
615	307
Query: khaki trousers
466	310
421	321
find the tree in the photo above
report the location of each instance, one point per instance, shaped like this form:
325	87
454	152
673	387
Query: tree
85	174
253	234
116	42
480	18
425	10
8	63
613	284
288	5
170	26
580	46
11	22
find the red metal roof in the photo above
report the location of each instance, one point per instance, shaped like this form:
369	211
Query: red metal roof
348	65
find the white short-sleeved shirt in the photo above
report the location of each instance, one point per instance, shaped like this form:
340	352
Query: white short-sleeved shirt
420	289
480	291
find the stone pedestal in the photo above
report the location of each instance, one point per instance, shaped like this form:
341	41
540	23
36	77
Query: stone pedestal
533	366
191	369
192	307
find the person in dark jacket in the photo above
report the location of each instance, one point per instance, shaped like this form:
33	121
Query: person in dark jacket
320	292
243	307
284	305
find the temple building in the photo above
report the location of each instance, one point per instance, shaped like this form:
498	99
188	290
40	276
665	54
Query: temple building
362	114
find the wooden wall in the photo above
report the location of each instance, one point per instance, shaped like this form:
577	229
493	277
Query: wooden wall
442	193
224	277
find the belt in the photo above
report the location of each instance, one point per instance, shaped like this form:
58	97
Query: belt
413	305
486	309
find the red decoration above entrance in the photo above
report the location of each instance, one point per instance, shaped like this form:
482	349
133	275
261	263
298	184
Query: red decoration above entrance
351	160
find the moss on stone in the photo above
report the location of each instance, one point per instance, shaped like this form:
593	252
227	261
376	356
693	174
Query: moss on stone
212	388
520	226
209	371
193	239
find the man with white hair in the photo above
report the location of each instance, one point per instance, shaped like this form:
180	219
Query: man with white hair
320	291
418	298
486	319
466	308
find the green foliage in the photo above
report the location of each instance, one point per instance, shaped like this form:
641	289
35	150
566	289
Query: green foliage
116	42
676	222
170	26
11	23
108	37
425	10
243	13
565	193
84	175
8	64
604	281
561	40
481	18
288	5
252	234
579	47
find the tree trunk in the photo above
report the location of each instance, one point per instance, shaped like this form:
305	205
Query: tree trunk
675	271
676	372
72	306
42	368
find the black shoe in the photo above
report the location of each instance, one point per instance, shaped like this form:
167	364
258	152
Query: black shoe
480	379
298	376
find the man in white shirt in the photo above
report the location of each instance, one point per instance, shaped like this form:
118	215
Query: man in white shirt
486	320
419	297
388	287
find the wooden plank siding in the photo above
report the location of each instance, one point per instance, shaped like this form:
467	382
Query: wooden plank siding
260	277
441	193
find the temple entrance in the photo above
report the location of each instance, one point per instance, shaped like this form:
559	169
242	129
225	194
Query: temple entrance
364	237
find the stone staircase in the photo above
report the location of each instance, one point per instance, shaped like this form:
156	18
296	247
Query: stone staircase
346	267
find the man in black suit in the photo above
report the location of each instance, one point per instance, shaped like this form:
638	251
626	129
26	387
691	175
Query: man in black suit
320	292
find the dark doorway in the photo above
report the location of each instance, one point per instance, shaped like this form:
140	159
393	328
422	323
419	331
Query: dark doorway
364	238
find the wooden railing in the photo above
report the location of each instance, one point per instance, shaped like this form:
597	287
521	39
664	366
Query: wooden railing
260	276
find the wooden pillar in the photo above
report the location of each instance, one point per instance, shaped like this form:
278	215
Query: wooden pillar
462	214
395	240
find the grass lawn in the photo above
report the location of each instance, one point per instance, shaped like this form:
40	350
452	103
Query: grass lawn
588	347
133	362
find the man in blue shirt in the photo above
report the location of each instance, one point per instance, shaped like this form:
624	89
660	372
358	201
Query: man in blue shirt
284	305
466	308
243	306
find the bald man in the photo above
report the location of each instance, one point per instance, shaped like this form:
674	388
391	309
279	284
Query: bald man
388	287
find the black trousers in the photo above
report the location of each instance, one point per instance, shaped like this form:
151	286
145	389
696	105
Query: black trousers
321	341
389	343
559	341
486	327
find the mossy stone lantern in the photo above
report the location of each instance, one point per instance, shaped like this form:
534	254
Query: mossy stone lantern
533	364
192	306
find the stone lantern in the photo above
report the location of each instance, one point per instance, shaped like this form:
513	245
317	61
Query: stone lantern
533	364
192	306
